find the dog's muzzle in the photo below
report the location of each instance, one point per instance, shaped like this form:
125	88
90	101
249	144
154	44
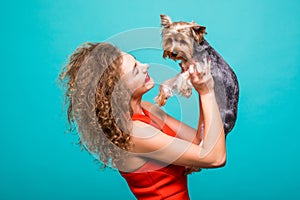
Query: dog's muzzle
174	55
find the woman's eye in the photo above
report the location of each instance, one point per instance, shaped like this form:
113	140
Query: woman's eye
135	71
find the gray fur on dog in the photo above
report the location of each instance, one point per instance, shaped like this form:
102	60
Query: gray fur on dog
226	83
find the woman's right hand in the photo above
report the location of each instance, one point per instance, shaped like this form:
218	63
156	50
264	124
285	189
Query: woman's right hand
201	77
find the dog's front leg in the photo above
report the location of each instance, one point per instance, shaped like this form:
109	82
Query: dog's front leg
179	84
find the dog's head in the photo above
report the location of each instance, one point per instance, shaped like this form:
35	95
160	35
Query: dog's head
179	38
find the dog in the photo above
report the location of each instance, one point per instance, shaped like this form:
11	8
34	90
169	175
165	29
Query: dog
184	41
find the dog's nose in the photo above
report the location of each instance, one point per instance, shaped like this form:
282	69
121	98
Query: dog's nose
174	53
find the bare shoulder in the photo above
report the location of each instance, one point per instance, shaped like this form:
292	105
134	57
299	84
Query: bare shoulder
142	130
154	109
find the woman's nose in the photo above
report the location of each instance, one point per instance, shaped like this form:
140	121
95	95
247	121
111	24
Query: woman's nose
145	68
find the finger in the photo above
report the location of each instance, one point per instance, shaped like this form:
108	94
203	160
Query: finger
202	70
204	60
191	69
209	67
200	67
203	57
197	67
206	69
206	66
194	70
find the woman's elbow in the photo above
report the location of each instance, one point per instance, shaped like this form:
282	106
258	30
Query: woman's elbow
219	161
215	160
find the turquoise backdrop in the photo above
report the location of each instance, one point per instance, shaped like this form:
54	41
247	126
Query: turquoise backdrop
260	39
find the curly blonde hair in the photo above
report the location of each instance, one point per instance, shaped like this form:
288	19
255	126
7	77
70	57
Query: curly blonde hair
98	102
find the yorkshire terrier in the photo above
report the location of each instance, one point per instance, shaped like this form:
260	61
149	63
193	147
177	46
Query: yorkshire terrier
185	41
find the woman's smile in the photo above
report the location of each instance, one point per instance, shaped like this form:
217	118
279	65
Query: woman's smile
147	78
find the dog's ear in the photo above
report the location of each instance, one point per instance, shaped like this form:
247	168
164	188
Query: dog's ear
165	21
199	32
199	29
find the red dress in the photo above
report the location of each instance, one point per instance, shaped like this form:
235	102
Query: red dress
165	182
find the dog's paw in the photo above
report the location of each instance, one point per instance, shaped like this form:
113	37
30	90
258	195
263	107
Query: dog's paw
165	91
184	85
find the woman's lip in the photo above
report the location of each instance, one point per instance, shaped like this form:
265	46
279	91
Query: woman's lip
147	78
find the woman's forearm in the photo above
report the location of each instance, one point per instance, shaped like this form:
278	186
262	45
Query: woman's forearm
213	141
200	129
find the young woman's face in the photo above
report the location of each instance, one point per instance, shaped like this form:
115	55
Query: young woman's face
136	75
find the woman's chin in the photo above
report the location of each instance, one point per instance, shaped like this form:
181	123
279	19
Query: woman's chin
149	84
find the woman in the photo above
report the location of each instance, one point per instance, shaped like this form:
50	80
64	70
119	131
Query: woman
151	149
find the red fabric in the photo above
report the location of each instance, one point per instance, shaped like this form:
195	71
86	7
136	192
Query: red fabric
164	182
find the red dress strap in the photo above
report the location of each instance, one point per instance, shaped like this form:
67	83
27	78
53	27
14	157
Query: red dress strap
151	119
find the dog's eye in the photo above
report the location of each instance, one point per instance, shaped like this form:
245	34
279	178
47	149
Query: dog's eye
182	42
169	40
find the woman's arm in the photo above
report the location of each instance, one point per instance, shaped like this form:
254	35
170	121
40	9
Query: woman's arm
182	130
203	82
151	142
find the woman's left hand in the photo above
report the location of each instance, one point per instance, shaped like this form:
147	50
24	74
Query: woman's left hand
201	77
189	170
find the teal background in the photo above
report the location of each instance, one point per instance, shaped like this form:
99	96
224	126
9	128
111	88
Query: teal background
260	39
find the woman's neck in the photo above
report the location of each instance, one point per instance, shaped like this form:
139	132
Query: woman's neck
137	106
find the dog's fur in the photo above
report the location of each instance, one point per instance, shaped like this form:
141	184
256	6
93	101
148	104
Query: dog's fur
185	41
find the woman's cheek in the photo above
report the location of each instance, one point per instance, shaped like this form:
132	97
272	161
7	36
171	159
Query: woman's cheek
135	83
